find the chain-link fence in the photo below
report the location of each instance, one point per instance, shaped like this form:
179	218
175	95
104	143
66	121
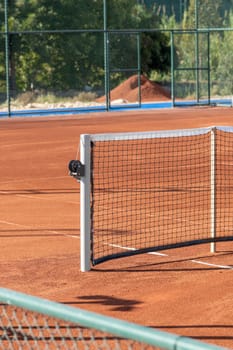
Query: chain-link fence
27	322
74	55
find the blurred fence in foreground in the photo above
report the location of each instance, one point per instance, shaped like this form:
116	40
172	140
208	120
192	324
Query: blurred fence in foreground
28	322
55	57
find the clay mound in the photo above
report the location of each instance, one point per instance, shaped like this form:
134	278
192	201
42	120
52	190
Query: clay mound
128	91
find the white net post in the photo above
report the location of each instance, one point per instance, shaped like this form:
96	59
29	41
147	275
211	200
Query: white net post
213	189
85	222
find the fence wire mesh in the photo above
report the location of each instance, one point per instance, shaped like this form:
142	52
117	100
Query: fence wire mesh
58	57
28	322
24	329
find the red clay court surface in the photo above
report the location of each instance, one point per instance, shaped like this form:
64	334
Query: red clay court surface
188	291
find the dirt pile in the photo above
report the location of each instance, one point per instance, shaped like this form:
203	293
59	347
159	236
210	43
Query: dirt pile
128	91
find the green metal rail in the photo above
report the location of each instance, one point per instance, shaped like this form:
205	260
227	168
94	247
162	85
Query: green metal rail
85	319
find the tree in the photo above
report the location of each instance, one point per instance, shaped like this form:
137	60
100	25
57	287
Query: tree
52	60
57	44
155	45
221	61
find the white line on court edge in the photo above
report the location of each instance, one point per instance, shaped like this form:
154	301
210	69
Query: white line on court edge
43	198
118	246
35	197
129	248
31	228
213	265
13	224
29	180
162	254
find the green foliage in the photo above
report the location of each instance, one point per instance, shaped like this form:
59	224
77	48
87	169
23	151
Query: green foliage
50	60
155	52
155	45
204	14
41	57
192	49
221	61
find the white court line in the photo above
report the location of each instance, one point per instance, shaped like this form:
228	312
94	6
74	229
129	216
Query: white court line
35	196
42	198
13	224
118	246
32	228
162	254
32	143
129	248
29	179
213	265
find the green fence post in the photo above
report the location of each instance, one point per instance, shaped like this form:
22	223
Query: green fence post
106	61
172	68
208	48
7	57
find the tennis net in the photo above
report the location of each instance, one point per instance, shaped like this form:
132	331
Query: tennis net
148	191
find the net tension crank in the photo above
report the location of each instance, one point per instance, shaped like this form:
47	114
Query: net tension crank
76	169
